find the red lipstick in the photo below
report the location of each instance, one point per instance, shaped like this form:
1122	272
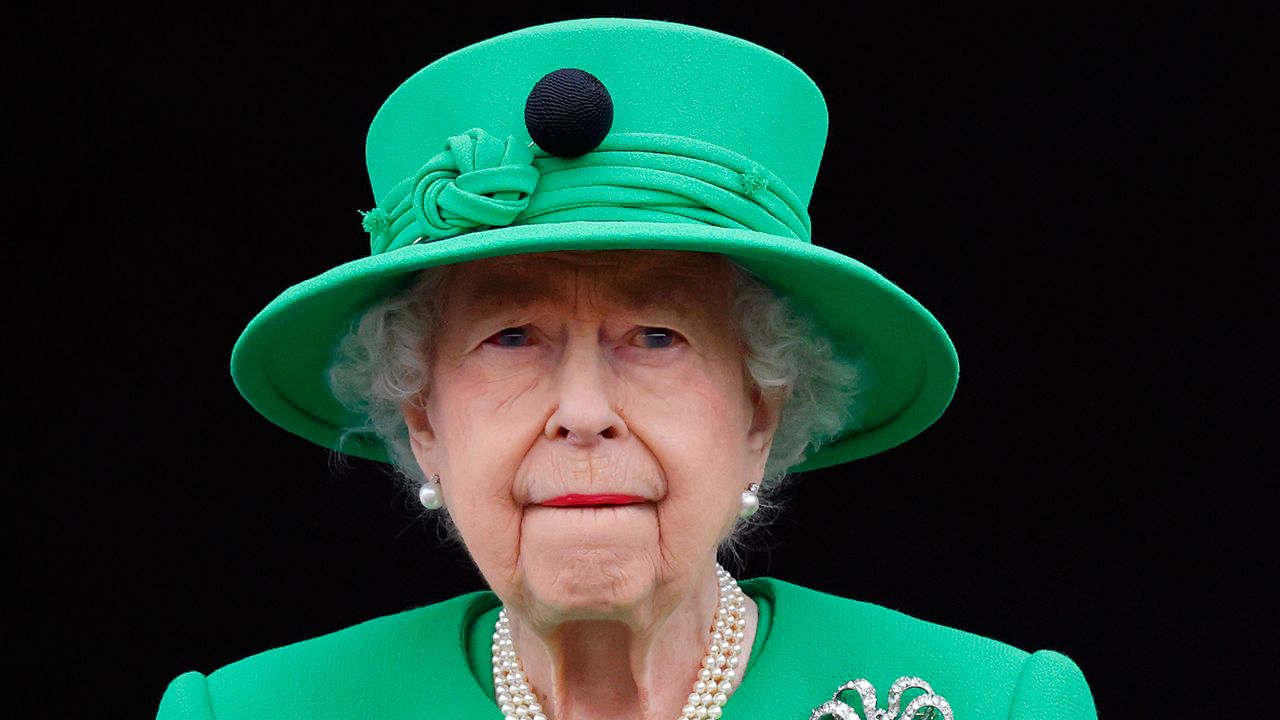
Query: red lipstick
574	500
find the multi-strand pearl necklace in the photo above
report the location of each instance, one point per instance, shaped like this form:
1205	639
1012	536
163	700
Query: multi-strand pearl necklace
711	691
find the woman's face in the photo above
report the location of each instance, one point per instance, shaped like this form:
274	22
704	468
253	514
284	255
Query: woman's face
606	372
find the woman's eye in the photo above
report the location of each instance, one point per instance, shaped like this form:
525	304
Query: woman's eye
657	338
510	337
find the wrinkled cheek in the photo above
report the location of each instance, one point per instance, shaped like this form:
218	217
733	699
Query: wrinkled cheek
479	498
692	524
703	501
491	533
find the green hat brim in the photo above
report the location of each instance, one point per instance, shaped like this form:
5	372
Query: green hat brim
280	362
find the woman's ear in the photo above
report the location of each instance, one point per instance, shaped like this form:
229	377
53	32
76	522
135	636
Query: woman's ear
421	436
766	413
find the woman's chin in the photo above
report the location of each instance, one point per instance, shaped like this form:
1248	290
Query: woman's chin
590	562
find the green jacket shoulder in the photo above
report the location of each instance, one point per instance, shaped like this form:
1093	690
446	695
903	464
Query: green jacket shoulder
824	641
385	667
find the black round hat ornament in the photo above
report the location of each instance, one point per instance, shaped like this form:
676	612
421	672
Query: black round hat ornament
568	112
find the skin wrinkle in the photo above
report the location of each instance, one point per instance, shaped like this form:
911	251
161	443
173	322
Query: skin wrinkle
609	606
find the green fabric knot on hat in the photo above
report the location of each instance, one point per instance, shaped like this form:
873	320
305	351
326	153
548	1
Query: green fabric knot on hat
478	180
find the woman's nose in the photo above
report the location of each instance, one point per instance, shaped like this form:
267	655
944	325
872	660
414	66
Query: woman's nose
586	395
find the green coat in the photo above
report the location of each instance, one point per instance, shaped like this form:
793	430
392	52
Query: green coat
434	662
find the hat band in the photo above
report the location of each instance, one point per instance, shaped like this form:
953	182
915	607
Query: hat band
480	180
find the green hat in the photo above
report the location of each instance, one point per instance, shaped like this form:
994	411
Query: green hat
594	134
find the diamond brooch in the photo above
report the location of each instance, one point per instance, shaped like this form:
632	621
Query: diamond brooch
928	706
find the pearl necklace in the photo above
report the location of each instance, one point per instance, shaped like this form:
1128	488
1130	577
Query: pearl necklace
710	692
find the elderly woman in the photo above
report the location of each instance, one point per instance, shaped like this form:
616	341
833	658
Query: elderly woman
594	362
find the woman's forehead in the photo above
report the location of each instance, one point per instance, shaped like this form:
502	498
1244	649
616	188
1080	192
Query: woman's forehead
631	277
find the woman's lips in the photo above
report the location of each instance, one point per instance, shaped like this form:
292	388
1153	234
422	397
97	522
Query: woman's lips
577	500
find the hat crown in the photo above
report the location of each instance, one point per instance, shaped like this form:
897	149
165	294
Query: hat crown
663	77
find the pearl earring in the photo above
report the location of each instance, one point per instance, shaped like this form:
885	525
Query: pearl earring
750	501
429	494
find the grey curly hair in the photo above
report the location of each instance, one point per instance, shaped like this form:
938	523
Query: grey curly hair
382	362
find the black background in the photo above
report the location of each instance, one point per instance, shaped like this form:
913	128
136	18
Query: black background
1071	191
